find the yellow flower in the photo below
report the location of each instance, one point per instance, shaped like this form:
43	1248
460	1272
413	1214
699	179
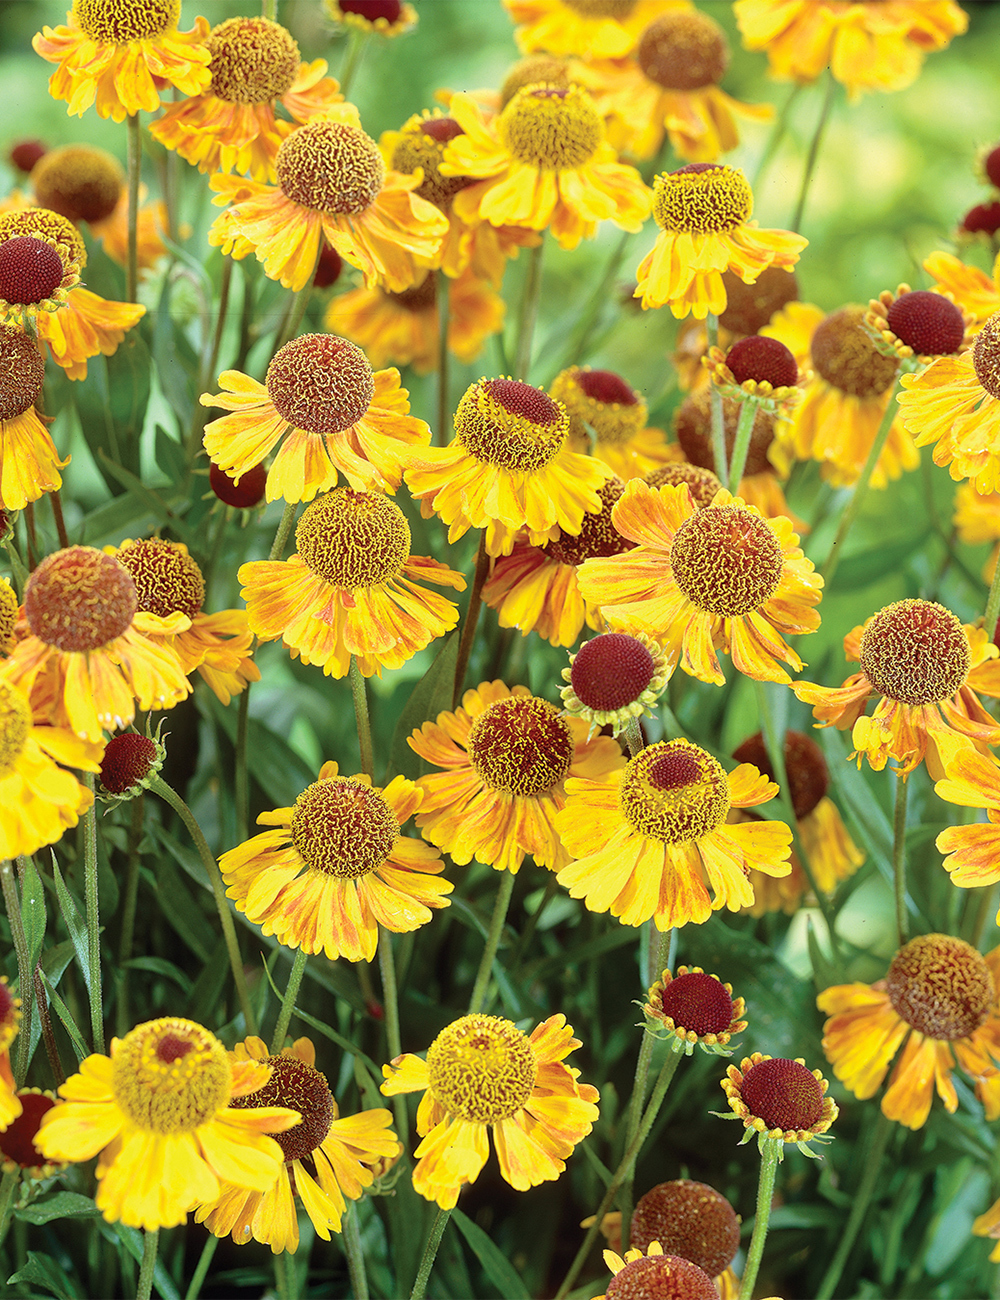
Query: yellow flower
780	1101
927	667
507	468
973	781
938	1001
326	1158
876	45
722	576
651	1272
645	839
29	462
351	588
703	211
973	290
482	1073
695	1008
329	410
159	1111
977	520
332	185
386	17
590	28
405	327
231	125
89	655
336	867
616	413
10	1023
543	163
507	756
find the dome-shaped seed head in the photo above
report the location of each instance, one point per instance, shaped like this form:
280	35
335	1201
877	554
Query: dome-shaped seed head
784	1094
762	359
611	671
805	767
328	268
22	372
79	599
693	427
927	322
373	9
941	986
320	383
249	491
683	51
127	760
845	356
30	270
79	182
701	483
749	307
688	1219
661	1277
916	652
546	69
699	1003
991	166
295	1085
25	154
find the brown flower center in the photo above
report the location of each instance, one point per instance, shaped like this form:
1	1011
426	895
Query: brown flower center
79	182
422	142
331	167
915	651
116	22
353	539
726	560
30	270
762	360
15	727
698	1002
253	60
688	1219
390	10
550	127
17	1142
982	218
603	400
941	986
50	227
320	383
343	828
79	599
784	1094
482	1069
986	356
295	1085
674	792
22	372
683	51
693	426
521	746
167	579
927	322
805	767
661	1277
701	483
601	8
845	356
702	198
127	760
242	494
510	424
749	307
611	671
598	537
422	297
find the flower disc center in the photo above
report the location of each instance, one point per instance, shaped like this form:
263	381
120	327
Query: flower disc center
15	726
482	1069
343	828
702	198
79	182
683	51
127	760
295	1085
986	356
611	671
941	986
30	270
550	127
688	1219
170	1076
331	167
601	8
167	579
253	60
674	792
353	539
79	599
915	651
701	483
805	767
783	1093
422	143
51	228
602	399
726	560
320	383
598	537
762	359
661	1277
116	22
511	425
22	372
521	746
698	1002
927	322
846	357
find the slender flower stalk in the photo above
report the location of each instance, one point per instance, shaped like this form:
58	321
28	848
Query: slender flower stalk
718	419
201	1270
429	1255
284	528
241	772
355	1253
357	44
12	903
501	905
443	368
874	1155
769	1156
813	154
150	1242
992	605
92	906
530	299
134	169
390	1006
899	860
288	1001
471	619
359	693
744	428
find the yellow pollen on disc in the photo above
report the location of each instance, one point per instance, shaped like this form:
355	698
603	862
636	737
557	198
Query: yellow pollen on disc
41	223
422	297
343	828
353	539
916	652
254	60
550	127
8	615
846	357
674	792
116	22
331	167
481	1069
521	746
600	398
941	986
79	599
986	356
702	198
533	70
170	1076
422	141
507	423
295	1085
22	372
79	182
726	560
320	383
167	579
15	726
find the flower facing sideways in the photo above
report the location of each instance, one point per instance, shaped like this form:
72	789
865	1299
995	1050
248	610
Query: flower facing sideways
29	462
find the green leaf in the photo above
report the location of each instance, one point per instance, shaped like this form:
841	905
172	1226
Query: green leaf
74	923
496	1265
160	966
271	761
33	913
431	695
859	571
170	456
41	1270
62	1205
152	499
65	1015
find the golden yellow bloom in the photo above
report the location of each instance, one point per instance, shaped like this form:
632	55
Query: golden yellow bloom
938	1001
977	520
29	462
337	867
385	17
874	45
928	668
703	211
651	1272
543	163
351	588
331	413
332	185
973	290
326	1158
159	1111
972	781
231	125
592	29
616	415
645	839
507	756
701	579
10	1023
112	53
779	1100
481	1074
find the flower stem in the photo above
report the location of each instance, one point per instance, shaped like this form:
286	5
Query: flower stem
360	695
129	901
201	1272
170	796
354	1252
284	528
862	1199
778	133
390	1005
443	404
294	314
134	148
93	919
12	902
860	490
718	420
497	922
48	1035
765	1193
288	1001
576	349
430	1253
992	605
150	1241
748	413
357	45
241	776
471	619
530	298
899	859
632	732
9	1185
813	153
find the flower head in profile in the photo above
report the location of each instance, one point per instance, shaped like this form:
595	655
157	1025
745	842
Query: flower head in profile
483	1074
699	579
10	1023
607	419
688	1219
332	184
159	1113
918	324
973	781
326	1157
384	17
695	1008
506	755
330	413
927	667
643	1273
130	764
868	46
703	211
757	369
779	1100
232	124
89	655
603	29
508	467
648	839
542	163
29	462
119	56
351	588
18	1153
938	1002
336	866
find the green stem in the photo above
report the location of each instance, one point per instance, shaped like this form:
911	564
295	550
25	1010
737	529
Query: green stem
497	922
471	619
352	59
632	732
285	1276
355	1254
530	298
207	377
390	1007
859	1209
579	339
528	933
150	1241
288	1001
992	605
984	909
765	1193
241	773
129	902
12	901
813	154
360	694
429	1255
269	9
899	860
170	796
48	1036
9	1184
57	518
860	490
777	136
134	148
201	1272
93	919
715	396
284	528
443	404
748	414
294	314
